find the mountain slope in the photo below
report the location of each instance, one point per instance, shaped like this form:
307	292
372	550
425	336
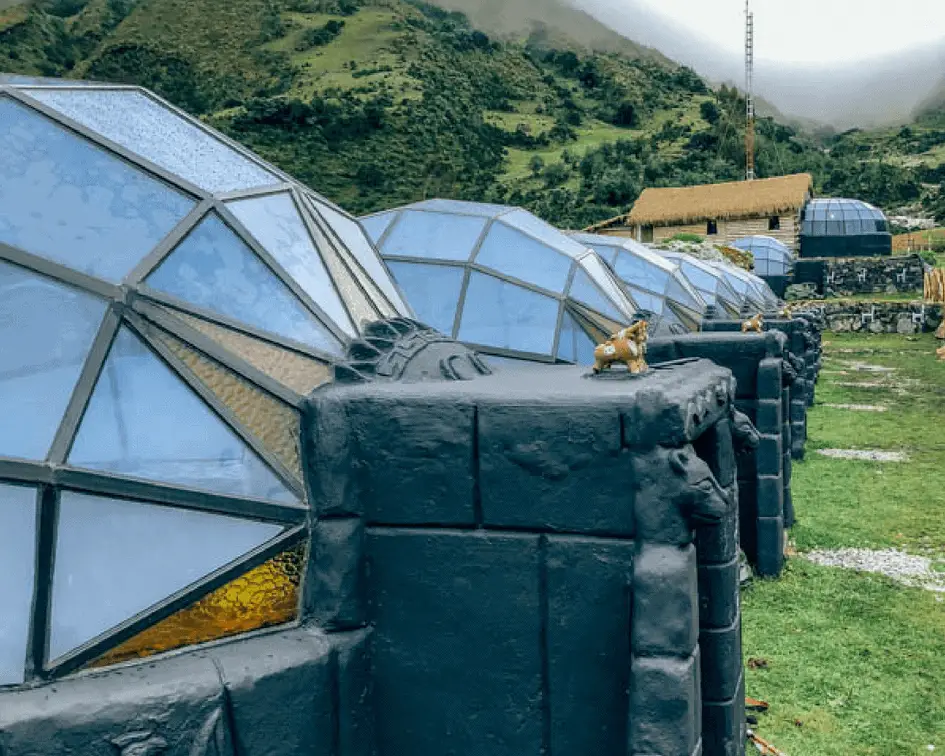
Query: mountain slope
382	102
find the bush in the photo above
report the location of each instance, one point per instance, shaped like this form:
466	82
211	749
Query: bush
687	238
320	36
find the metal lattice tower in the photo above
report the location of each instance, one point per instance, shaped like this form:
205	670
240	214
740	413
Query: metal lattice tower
749	92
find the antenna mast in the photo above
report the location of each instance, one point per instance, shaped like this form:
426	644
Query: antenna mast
749	92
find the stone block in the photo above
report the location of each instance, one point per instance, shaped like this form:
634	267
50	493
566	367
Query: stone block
356	711
721	653
770	546
768	417
588	630
716	449
770	500
665	706
718	594
768	455
798	411
723	725
769	379
457	659
415	458
538	462
178	703
329	455
665	601
280	693
334	590
718	544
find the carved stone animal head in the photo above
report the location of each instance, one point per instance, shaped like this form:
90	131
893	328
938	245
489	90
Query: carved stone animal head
705	502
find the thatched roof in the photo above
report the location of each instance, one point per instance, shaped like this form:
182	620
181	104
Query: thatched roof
737	199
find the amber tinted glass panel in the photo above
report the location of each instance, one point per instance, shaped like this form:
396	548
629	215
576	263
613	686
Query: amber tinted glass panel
291	369
356	300
263	597
275	424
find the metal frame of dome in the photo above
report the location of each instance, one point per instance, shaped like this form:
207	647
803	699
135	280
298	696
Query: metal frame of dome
712	285
771	257
232	367
752	290
680	304
835	227
459	244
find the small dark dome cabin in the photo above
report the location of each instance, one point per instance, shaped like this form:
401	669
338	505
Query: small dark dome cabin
844	228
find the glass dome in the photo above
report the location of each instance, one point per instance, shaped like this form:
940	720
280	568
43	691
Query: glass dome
752	291
843	228
167	302
501	279
656	284
713	287
772	258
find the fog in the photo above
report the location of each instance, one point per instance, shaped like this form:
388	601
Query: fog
708	35
871	91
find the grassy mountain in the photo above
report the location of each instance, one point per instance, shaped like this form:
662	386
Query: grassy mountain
382	102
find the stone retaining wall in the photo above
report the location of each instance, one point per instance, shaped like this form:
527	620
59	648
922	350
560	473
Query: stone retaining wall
863	275
906	318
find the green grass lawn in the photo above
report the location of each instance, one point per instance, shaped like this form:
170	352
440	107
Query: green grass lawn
855	662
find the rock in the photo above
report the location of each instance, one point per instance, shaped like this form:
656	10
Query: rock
797	292
905	326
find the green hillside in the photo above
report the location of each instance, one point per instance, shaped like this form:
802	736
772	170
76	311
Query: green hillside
382	102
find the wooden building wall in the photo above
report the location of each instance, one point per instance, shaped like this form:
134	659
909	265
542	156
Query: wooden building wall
728	231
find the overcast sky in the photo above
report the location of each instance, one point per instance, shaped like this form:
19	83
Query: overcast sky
844	62
811	31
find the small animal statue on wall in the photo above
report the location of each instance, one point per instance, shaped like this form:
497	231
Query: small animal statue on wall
941	353
627	346
755	325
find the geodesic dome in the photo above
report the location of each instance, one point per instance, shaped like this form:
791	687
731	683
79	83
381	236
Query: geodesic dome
771	257
167	300
713	287
654	282
754	294
500	279
843	228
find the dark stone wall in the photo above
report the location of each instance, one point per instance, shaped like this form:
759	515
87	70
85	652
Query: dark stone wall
846	275
756	361
532	573
280	694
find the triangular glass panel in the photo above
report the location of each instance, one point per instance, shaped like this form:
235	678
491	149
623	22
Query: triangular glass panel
357	242
17	560
513	253
144	422
574	345
277	225
376	225
432	290
65	199
143	126
263	597
115	559
46	330
214	269
583	289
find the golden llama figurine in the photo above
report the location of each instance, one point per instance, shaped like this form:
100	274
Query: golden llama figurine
627	346
756	324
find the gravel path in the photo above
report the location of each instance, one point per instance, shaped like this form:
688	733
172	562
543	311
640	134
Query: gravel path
859	407
864	455
913	571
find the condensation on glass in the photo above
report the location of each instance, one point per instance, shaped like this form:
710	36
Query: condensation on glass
214	269
46	331
65	199
144	126
275	222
